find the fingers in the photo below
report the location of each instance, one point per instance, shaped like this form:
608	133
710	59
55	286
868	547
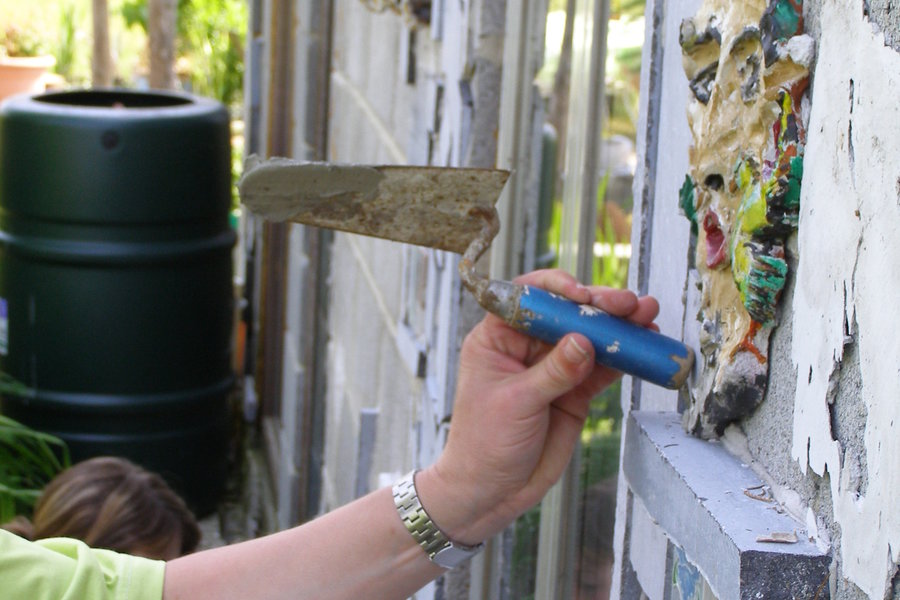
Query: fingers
624	303
619	302
614	301
558	282
565	367
647	310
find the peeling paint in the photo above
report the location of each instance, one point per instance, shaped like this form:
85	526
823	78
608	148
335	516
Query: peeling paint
850	269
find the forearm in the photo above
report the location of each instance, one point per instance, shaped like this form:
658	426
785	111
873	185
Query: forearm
518	415
361	550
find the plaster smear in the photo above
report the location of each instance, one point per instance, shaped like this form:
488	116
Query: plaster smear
850	266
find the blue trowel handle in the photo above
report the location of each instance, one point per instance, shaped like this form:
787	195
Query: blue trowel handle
617	343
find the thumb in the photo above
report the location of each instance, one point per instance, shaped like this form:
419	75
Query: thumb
564	368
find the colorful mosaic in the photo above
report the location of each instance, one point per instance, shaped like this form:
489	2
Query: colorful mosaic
747	65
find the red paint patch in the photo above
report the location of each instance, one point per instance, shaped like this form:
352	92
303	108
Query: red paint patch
715	240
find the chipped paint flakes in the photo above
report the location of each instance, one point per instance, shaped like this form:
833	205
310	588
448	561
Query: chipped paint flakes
585	310
848	268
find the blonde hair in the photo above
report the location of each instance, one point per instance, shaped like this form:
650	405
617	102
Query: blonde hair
111	503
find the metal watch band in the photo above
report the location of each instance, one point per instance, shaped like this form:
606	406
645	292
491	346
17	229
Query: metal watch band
439	548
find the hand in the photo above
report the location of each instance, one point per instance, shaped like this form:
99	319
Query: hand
520	407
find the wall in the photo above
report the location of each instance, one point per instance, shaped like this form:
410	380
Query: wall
825	439
375	112
401	92
356	340
839	367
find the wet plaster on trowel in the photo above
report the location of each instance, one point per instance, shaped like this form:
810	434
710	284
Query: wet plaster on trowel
849	272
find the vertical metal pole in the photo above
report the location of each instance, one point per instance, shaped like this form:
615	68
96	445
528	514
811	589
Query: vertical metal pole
525	24
624	579
558	537
277	138
522	58
314	89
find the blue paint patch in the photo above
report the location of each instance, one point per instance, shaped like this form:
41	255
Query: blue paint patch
687	581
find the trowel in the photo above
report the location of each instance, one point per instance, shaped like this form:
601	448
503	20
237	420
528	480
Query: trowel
452	209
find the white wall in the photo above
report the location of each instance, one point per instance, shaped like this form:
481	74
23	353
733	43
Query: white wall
370	122
849	272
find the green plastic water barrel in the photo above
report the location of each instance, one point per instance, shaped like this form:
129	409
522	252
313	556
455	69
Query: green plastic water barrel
116	301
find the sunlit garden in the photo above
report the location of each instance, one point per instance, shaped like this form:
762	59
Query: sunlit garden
209	42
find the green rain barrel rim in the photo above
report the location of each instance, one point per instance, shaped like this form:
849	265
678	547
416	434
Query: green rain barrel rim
86	137
112	102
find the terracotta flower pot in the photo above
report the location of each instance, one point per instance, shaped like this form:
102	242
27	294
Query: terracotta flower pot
23	74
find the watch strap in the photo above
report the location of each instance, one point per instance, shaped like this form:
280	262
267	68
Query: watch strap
440	549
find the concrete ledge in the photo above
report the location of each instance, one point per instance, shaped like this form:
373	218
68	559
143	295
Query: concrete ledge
695	490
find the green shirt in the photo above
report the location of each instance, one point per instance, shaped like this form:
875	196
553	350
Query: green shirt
66	569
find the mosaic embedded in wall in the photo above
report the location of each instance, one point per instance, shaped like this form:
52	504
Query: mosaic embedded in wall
747	63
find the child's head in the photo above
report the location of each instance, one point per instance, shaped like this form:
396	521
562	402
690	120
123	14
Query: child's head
112	503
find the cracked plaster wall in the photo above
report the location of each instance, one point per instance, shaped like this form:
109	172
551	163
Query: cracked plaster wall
835	360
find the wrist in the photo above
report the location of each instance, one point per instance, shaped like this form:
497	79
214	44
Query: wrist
441	549
465	515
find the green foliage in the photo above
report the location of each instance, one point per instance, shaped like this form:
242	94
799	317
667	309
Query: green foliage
524	554
21	41
609	269
66	51
134	13
210	42
556	5
623	91
626	8
237	160
600	437
213	40
629	60
29	459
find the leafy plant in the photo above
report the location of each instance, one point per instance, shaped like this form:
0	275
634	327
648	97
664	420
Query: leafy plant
609	270
212	38
67	48
29	459
19	41
210	43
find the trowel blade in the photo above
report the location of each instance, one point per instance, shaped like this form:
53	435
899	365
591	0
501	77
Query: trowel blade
437	207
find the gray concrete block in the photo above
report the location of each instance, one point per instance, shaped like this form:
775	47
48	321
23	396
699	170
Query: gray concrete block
695	490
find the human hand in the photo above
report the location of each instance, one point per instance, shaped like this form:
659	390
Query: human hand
520	407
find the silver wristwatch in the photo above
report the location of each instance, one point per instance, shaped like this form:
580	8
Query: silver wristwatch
439	548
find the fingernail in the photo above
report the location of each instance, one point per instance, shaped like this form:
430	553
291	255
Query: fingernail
574	352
